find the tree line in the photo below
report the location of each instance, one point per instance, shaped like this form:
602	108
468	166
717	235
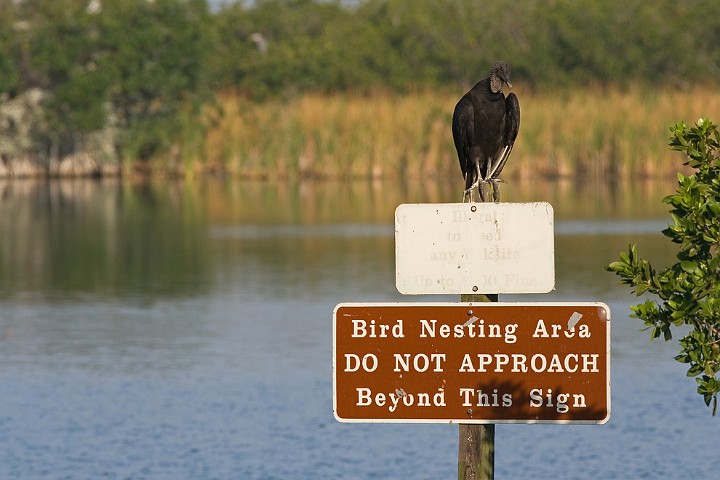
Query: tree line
136	64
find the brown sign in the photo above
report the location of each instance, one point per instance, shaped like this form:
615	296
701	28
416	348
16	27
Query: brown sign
472	363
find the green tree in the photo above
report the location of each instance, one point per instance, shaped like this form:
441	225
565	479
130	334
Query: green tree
64	58
133	63
9	74
689	290
155	54
276	47
51	46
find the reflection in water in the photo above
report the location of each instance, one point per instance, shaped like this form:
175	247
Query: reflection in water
145	328
182	238
308	203
100	237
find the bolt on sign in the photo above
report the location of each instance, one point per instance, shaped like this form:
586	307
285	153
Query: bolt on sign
459	248
472	363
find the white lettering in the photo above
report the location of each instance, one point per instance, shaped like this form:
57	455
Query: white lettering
540	330
363	329
393	400
353	362
477	398
590	362
473	328
584	331
538	363
420	362
363	397
540	398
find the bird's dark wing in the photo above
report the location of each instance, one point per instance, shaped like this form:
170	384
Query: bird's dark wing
463	129
512	127
512	109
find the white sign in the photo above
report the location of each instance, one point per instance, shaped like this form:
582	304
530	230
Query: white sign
465	248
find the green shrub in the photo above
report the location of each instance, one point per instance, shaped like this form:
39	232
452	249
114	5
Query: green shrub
689	290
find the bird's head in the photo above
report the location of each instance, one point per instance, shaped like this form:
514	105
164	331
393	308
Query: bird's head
499	76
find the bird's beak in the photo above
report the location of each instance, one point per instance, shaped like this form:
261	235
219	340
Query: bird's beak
508	84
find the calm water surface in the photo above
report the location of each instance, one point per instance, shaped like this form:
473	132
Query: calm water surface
183	331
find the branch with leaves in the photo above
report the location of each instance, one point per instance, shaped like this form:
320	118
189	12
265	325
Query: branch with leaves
688	292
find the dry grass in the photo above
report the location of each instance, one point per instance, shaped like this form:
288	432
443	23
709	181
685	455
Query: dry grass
594	132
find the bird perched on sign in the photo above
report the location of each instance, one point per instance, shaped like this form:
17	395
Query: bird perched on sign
485	125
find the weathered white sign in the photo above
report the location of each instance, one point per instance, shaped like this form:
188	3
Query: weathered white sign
465	248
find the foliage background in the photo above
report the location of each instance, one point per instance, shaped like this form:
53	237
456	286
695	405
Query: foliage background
404	44
147	68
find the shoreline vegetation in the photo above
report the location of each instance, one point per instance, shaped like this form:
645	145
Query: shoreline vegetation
592	132
342	89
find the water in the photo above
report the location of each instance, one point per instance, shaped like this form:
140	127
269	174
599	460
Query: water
183	331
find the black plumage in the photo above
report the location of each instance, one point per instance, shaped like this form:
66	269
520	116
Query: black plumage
485	125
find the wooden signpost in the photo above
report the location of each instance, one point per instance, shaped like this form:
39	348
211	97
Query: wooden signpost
476	362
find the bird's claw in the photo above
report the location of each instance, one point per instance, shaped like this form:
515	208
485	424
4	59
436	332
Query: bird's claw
495	182
489	190
468	194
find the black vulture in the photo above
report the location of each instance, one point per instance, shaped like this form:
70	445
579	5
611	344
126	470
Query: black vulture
485	124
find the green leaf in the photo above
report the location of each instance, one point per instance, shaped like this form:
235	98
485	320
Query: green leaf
689	267
667	334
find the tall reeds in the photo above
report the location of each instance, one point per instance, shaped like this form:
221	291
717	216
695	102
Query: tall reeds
586	132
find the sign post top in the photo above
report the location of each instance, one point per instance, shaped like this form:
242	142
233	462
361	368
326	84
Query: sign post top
465	248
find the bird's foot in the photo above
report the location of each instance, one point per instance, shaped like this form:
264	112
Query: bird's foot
469	192
495	182
468	195
486	191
